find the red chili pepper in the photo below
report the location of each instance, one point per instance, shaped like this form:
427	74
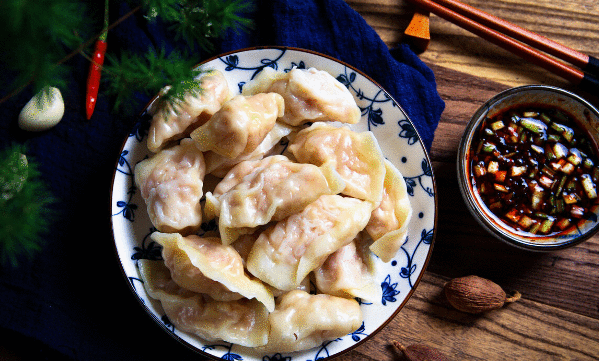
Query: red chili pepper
93	79
95	68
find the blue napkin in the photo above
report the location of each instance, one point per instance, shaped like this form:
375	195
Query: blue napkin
72	297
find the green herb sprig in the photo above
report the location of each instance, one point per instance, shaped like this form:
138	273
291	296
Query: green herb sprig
147	74
24	201
42	34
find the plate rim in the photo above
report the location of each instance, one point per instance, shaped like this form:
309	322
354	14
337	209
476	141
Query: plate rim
425	154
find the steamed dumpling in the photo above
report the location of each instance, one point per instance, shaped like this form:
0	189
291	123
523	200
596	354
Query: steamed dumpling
174	123
358	158
302	321
186	275
388	225
287	252
349	272
171	184
274	192
244	322
215	261
310	95
240	125
219	165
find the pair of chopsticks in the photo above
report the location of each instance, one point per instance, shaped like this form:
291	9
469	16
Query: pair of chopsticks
521	42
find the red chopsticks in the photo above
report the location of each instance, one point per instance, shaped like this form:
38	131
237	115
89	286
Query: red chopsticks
526	44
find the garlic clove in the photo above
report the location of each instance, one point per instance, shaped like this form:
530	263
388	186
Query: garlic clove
43	111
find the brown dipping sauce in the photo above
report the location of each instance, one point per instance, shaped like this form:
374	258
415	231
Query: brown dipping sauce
535	169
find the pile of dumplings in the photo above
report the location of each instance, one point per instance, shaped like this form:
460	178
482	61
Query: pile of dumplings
314	213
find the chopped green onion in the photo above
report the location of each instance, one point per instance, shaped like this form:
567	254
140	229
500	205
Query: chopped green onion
537	149
560	150
546	226
489	147
589	186
545	118
574	156
533	125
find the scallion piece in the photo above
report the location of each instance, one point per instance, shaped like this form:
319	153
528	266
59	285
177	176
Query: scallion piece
560	150
589	186
534	125
489	147
546	226
545	118
537	149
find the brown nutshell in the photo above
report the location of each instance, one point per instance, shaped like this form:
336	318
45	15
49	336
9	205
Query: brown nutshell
420	352
473	294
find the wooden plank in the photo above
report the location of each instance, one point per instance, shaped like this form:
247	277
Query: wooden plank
524	330
573	23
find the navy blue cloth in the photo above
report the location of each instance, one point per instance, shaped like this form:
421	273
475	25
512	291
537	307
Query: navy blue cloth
72	296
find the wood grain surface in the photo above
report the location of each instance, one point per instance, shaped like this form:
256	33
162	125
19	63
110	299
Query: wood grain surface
558	315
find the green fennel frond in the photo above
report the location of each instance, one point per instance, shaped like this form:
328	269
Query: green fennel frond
148	74
199	22
24	200
36	35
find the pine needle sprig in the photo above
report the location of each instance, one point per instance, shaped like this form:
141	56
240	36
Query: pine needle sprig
148	74
25	201
199	22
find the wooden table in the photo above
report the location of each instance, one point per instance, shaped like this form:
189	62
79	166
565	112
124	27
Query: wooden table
558	315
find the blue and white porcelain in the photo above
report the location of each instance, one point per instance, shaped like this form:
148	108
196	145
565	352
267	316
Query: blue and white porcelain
400	143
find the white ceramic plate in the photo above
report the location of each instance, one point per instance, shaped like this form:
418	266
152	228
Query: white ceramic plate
400	144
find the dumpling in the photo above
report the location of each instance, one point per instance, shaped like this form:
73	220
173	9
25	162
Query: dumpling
170	124
219	165
310	95
244	322
215	261
358	157
171	184
241	124
273	192
302	321
388	225
287	252
349	272
186	275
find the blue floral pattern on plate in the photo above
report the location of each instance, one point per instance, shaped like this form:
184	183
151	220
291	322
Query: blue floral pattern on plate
401	145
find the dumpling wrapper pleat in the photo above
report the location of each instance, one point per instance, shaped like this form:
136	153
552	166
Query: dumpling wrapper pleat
220	263
284	254
243	322
388	225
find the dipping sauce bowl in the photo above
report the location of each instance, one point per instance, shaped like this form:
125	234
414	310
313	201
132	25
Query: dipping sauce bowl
528	167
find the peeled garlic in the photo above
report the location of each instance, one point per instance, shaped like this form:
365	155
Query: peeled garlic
43	111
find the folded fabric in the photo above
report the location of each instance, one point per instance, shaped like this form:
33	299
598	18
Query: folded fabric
72	296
